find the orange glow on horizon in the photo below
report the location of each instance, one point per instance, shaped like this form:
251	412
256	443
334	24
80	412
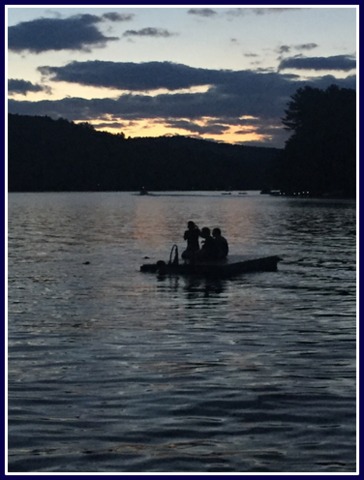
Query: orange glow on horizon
234	134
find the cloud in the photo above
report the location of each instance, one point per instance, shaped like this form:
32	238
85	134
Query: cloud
23	87
149	32
306	46
210	128
113	125
337	62
118	17
327	80
151	76
131	76
78	32
284	49
202	12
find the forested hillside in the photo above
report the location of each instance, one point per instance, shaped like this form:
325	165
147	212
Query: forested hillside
58	155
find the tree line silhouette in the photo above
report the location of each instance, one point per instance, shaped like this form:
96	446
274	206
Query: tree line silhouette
319	157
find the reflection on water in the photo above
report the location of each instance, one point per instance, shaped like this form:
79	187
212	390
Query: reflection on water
193	286
112	370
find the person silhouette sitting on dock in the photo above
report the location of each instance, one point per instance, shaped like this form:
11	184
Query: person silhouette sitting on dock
221	243
192	236
209	249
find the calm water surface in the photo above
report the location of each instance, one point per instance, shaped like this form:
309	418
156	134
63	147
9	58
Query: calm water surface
113	370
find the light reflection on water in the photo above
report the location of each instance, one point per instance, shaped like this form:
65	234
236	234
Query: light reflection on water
113	370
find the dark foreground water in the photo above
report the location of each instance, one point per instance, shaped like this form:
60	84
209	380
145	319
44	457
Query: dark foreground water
113	370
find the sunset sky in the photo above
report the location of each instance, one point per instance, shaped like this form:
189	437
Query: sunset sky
211	72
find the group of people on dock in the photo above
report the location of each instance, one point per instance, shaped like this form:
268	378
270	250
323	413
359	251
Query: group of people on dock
213	247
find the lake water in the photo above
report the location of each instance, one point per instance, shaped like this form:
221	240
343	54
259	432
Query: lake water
114	370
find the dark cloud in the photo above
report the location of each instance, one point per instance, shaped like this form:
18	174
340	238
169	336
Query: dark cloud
78	32
306	46
132	76
284	49
327	80
148	76
211	128
118	17
149	32
244	131
114	125
134	107
337	62
202	12
23	87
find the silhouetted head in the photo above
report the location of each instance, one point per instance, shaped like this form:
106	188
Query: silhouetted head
216	232
191	225
205	232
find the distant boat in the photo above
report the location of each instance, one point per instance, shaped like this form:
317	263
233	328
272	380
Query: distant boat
268	191
143	191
